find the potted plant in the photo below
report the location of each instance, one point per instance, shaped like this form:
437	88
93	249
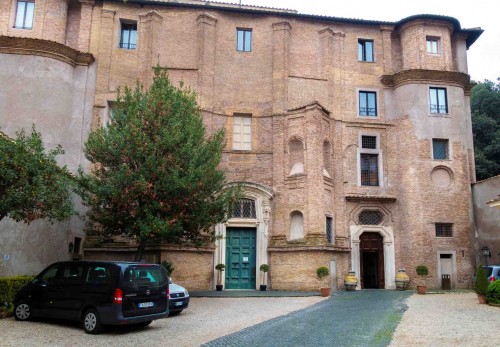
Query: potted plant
481	284
264	268
423	272
323	272
493	293
220	268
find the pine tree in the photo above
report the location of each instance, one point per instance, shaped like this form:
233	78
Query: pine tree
32	185
155	174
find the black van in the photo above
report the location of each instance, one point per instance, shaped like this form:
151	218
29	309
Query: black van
96	293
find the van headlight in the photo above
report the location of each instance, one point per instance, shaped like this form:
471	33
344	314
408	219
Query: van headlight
186	293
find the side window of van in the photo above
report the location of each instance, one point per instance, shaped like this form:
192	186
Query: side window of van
98	276
71	273
49	275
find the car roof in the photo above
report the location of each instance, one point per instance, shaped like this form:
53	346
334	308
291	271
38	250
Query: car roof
110	262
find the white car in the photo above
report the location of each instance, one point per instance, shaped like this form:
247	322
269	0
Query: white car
179	298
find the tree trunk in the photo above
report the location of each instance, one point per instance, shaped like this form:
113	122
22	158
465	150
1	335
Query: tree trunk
140	250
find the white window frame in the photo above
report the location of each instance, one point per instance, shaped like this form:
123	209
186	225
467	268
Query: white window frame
25	15
240	129
435	43
377	151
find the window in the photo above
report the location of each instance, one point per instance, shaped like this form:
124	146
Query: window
244	208
432	45
368	104
440	148
76	245
296	153
128	38
244	40
444	230
242	133
329	229
365	50
369	152
326	159
370	217
438	100
24	14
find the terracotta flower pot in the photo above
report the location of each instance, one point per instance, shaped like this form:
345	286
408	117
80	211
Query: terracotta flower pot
325	291
421	289
482	299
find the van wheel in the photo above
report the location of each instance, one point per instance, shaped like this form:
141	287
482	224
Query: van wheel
22	311
91	322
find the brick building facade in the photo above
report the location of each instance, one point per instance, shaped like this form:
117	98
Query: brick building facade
352	138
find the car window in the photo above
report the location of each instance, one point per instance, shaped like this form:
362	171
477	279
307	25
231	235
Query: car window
138	276
70	273
50	274
488	270
98	275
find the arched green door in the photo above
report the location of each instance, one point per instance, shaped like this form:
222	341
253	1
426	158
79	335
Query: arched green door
240	258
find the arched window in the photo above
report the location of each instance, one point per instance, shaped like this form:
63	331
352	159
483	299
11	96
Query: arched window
244	208
296	151
296	225
326	159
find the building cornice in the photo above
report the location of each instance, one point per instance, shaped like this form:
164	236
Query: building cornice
44	48
454	78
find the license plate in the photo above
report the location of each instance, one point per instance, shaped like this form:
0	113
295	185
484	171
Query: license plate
146	304
178	303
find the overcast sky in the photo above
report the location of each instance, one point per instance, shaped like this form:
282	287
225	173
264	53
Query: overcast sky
483	56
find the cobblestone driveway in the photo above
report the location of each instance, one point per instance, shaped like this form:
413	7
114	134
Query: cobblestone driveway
362	318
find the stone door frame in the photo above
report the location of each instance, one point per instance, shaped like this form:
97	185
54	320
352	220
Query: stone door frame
389	254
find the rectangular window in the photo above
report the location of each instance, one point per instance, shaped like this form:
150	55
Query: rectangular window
242	133
432	45
76	245
365	50
438	100
369	142
128	38
369	169
24	14
329	229
368	104
244	40
440	148
444	230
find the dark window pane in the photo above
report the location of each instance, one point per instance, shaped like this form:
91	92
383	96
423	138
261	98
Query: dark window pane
329	229
444	230
369	169
369	142
128	38
440	148
369	217
245	208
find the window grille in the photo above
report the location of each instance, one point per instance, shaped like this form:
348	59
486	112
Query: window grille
369	169
244	208
329	229
369	142
444	230
370	217
440	148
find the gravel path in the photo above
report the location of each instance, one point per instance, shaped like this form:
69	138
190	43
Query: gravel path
361	318
205	319
448	320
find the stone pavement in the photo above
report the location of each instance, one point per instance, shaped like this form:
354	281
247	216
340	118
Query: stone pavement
361	318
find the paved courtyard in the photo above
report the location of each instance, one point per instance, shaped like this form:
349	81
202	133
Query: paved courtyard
363	318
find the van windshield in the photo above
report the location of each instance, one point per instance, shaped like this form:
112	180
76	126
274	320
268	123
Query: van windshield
139	276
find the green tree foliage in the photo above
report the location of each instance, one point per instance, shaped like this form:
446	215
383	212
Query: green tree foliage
32	185
155	174
481	282
485	107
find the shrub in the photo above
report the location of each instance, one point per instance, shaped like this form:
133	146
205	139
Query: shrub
220	267
169	266
9	286
481	282
322	272
493	292
422	270
264	268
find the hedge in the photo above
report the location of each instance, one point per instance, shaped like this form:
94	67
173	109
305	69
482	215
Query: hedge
9	286
493	292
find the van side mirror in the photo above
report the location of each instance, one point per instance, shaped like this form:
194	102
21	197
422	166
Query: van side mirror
35	281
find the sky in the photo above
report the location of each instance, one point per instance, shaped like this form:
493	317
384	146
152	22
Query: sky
483	55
